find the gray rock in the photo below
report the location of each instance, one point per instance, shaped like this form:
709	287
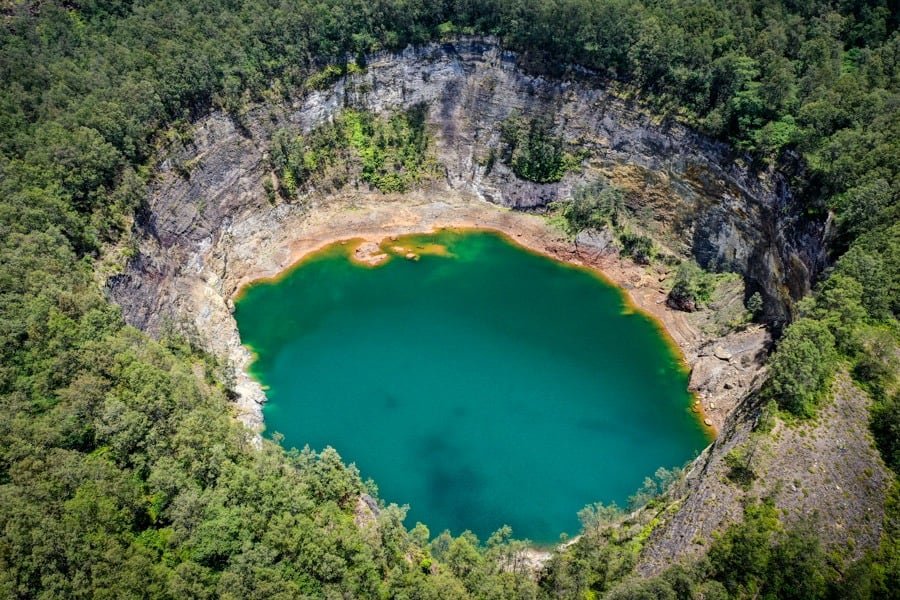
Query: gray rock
596	241
721	353
687	190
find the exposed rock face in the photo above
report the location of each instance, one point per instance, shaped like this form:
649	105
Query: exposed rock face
827	472
592	241
697	195
203	236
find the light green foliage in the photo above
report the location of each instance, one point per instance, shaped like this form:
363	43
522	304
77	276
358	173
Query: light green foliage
693	286
862	207
394	153
802	367
598	205
755	305
596	516
654	487
838	304
757	557
320	80
776	135
761	558
877	363
121	474
391	154
874	261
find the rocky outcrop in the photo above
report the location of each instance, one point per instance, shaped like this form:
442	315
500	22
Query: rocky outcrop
827	473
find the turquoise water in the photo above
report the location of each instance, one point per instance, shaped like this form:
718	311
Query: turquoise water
483	387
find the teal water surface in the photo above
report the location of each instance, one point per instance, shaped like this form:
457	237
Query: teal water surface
484	387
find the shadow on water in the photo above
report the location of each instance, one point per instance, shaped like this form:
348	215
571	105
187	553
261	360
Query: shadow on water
453	487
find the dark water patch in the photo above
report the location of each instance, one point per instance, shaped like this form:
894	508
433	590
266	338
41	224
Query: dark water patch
480	384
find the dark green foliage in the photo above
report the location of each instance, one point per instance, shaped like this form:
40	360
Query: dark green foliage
757	557
693	287
754	305
637	246
874	261
121	472
533	152
594	206
802	367
739	469
877	573
886	427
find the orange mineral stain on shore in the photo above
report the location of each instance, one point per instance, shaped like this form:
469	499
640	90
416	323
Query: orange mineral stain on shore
375	233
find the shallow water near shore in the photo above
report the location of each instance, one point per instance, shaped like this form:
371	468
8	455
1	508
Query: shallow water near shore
480	383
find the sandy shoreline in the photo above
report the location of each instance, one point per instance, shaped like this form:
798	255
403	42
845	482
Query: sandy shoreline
367	222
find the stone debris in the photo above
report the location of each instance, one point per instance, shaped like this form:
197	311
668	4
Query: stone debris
722	354
369	253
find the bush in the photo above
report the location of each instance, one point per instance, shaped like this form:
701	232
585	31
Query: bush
692	289
802	367
391	154
886	429
639	247
739	471
594	206
755	305
533	152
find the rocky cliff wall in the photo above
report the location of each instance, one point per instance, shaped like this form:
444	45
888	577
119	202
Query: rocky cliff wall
692	192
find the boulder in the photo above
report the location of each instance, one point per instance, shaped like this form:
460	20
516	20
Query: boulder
596	241
721	353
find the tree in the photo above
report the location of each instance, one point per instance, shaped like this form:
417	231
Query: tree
594	206
886	428
802	367
692	289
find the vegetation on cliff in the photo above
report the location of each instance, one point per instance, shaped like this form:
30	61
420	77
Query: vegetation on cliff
121	473
391	155
533	152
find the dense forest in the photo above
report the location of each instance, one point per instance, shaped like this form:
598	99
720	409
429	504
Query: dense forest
122	473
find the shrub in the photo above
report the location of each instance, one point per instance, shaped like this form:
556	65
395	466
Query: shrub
639	247
886	429
739	470
755	305
594	206
801	368
693	287
391	154
533	152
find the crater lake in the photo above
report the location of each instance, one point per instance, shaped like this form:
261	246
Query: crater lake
476	381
